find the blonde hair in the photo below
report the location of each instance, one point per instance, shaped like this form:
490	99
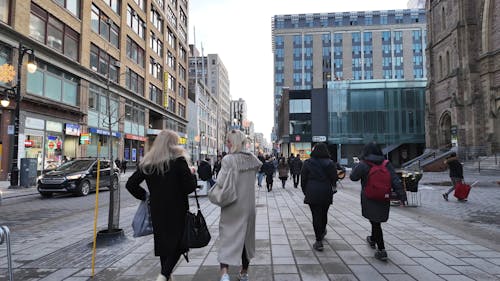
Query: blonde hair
165	148
237	140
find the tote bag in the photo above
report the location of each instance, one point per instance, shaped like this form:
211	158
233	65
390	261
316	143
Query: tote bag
223	193
141	224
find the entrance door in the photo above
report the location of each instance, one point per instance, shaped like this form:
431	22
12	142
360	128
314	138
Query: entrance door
445	131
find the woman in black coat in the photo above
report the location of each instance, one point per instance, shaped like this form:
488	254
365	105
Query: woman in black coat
169	181
318	180
375	211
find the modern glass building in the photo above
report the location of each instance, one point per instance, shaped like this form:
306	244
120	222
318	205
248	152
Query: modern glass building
389	112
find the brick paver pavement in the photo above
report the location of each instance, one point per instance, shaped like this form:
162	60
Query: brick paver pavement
420	247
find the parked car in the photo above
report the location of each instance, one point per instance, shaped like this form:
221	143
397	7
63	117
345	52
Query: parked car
78	176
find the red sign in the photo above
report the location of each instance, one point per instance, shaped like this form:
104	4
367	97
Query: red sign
297	138
28	143
51	145
134	137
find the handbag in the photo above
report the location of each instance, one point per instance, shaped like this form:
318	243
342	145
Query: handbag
196	234
141	224
223	192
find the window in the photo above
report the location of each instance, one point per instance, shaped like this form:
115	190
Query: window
98	108
54	84
114	4
182	73
156	19
156	45
155	94
183	17
135	52
102	25
182	53
182	110
171	62
134	82
141	4
171	83
171	16
135	22
448	63
102	62
171	104
441	67
182	91
155	69
300	106
300	127
71	5
172	41
4	10
50	31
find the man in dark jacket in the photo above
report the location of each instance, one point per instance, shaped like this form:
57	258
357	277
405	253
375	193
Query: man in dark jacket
217	165
375	211
319	178
295	168
205	171
456	173
268	169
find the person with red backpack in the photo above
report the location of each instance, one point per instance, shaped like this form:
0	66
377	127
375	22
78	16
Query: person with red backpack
378	182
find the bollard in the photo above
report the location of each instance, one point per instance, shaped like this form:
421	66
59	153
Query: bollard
5	236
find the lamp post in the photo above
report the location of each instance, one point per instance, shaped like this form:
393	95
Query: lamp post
31	67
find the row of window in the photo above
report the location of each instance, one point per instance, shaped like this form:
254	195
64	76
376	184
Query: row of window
102	62
135	52
102	25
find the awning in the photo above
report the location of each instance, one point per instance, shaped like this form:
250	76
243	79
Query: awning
390	148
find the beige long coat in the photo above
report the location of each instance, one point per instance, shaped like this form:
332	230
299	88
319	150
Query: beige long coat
237	221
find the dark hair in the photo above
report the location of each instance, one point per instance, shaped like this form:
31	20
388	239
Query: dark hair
320	150
371	148
453	154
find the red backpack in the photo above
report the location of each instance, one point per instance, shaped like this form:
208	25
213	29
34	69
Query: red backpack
378	185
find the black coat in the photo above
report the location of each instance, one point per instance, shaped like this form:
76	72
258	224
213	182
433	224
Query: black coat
169	203
377	211
296	166
318	176
456	169
268	168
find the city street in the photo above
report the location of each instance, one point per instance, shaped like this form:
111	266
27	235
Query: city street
438	240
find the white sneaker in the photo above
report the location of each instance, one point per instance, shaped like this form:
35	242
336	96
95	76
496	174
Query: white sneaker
225	277
161	278
243	277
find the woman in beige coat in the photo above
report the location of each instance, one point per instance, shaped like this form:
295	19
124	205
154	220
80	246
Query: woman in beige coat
237	221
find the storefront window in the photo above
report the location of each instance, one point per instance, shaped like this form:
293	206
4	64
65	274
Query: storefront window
33	147
301	148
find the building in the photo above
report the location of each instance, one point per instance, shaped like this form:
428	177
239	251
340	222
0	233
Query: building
238	113
311	50
133	52
463	92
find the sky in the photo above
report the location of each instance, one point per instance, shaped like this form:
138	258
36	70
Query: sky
240	33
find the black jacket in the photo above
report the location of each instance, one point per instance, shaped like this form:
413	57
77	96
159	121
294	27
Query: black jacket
268	168
295	166
318	176
169	203
373	210
456	169
204	170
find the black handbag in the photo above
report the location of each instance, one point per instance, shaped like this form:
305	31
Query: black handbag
196	234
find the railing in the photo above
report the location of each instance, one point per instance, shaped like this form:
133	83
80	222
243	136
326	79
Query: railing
5	236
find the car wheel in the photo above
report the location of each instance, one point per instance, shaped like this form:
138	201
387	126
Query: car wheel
46	194
84	188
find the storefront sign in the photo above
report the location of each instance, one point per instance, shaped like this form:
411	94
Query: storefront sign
319	138
134	137
134	154
10	129
297	138
85	138
154	132
182	140
28	143
72	129
104	132
54	126
34	123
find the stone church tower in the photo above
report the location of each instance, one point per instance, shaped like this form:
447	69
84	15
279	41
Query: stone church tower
463	72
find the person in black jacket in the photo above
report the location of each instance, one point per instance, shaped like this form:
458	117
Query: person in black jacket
375	211
205	171
268	168
295	168
319	178
169	180
217	165
456	173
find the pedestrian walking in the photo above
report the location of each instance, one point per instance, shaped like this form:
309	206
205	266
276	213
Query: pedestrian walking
124	165
217	165
268	168
169	181
283	171
295	168
237	220
318	178
456	173
205	171
260	174
376	172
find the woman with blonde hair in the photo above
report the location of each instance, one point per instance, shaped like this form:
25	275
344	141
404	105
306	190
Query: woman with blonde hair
169	181
237	221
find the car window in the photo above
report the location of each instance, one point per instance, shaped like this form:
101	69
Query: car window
75	165
104	164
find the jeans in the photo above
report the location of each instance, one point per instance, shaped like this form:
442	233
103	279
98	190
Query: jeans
296	178
454	181
260	176
377	235
320	218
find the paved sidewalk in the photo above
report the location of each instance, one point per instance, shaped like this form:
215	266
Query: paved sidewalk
417	250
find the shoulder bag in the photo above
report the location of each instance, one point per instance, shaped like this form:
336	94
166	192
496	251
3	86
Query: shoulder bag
196	233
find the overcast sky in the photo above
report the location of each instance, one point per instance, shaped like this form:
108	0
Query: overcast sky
240	33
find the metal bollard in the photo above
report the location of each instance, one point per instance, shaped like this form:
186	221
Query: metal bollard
5	236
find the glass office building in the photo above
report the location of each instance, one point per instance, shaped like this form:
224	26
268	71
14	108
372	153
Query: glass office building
389	112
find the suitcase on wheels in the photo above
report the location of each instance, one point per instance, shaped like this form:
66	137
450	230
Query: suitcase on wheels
461	191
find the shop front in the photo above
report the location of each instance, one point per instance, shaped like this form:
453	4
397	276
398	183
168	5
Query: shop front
96	136
71	138
133	150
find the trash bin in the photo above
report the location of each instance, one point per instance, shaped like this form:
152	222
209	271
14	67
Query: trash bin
28	172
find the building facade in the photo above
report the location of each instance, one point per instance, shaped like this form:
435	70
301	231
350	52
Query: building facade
312	50
463	92
132	53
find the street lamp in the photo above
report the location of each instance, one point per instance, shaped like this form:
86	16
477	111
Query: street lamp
31	67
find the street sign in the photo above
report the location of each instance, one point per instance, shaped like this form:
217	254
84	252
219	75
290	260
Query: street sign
10	129
319	138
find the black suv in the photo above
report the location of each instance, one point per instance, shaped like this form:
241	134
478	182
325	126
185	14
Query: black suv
78	176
